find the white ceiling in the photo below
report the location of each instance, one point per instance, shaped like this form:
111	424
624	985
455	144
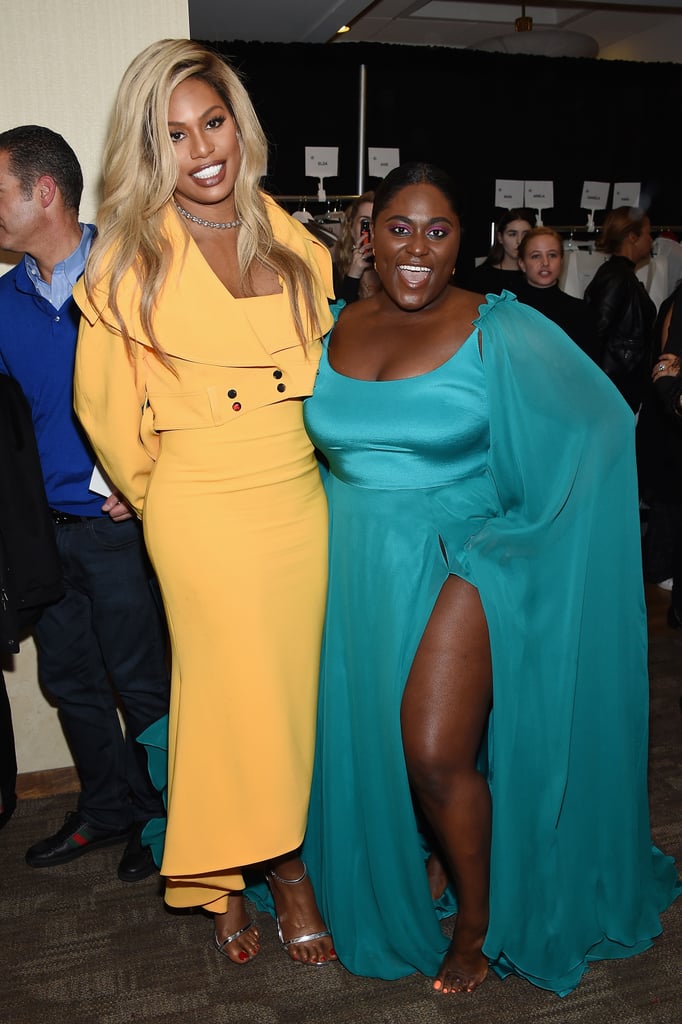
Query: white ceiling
623	29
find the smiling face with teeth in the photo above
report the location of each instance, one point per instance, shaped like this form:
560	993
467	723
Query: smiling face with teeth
206	145
416	241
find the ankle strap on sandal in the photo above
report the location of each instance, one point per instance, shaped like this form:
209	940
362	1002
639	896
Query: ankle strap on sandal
288	881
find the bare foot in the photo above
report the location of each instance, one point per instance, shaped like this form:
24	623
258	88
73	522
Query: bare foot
302	931
436	875
245	942
464	966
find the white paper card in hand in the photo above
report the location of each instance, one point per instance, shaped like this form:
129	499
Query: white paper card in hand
100	483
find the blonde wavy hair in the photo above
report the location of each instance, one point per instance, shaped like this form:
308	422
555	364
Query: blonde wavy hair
343	250
140	174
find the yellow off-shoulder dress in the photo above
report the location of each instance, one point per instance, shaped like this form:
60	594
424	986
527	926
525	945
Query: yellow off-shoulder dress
213	454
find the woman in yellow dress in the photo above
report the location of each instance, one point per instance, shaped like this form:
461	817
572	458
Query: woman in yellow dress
203	308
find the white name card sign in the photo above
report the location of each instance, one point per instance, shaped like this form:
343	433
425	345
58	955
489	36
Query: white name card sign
626	193
594	197
381	161
539	195
508	193
321	162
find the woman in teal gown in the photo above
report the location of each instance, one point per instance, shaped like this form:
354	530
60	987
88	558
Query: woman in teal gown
474	451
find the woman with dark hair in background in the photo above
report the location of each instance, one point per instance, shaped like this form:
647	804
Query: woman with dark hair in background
625	313
484	550
500	270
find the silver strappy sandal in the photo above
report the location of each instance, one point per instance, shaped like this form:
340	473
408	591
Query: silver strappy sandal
220	946
299	939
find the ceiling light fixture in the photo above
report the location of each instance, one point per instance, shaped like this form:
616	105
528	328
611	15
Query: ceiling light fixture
542	43
523	24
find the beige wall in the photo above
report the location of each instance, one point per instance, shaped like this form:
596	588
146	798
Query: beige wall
61	64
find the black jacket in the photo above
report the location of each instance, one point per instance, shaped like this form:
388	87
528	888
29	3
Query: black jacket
625	315
659	430
30	567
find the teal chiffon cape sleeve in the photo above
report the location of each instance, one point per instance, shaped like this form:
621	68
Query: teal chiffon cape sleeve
574	876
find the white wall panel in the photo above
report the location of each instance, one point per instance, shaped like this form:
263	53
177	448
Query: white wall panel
61	65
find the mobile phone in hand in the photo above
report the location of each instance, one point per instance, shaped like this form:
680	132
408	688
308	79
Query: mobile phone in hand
365	234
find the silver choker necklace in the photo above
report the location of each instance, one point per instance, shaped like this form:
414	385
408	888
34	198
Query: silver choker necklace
205	223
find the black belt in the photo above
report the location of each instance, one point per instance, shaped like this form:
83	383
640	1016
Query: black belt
62	518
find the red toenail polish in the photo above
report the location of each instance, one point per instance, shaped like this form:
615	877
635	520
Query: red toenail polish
243	955
332	952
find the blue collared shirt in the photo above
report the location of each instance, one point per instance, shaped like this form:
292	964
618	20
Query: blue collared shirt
38	337
65	273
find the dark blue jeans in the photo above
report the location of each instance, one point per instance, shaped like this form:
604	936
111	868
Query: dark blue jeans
103	646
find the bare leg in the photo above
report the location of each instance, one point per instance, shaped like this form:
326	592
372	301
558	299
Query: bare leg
297	912
444	711
437	875
246	944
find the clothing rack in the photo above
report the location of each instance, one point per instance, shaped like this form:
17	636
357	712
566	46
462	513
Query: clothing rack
561	228
315	199
582	228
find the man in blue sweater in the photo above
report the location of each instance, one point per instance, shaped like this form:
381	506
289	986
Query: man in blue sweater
103	645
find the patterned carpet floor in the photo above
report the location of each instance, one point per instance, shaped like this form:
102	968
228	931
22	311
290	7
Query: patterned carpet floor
80	947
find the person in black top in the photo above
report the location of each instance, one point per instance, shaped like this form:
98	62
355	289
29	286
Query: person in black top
30	568
625	312
500	270
541	254
659	455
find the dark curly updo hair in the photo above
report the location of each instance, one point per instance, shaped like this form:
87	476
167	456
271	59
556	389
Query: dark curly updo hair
414	173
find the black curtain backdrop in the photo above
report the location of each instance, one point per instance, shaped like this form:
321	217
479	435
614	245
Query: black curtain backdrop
481	116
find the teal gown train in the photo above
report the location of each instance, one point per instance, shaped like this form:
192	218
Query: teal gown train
512	466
